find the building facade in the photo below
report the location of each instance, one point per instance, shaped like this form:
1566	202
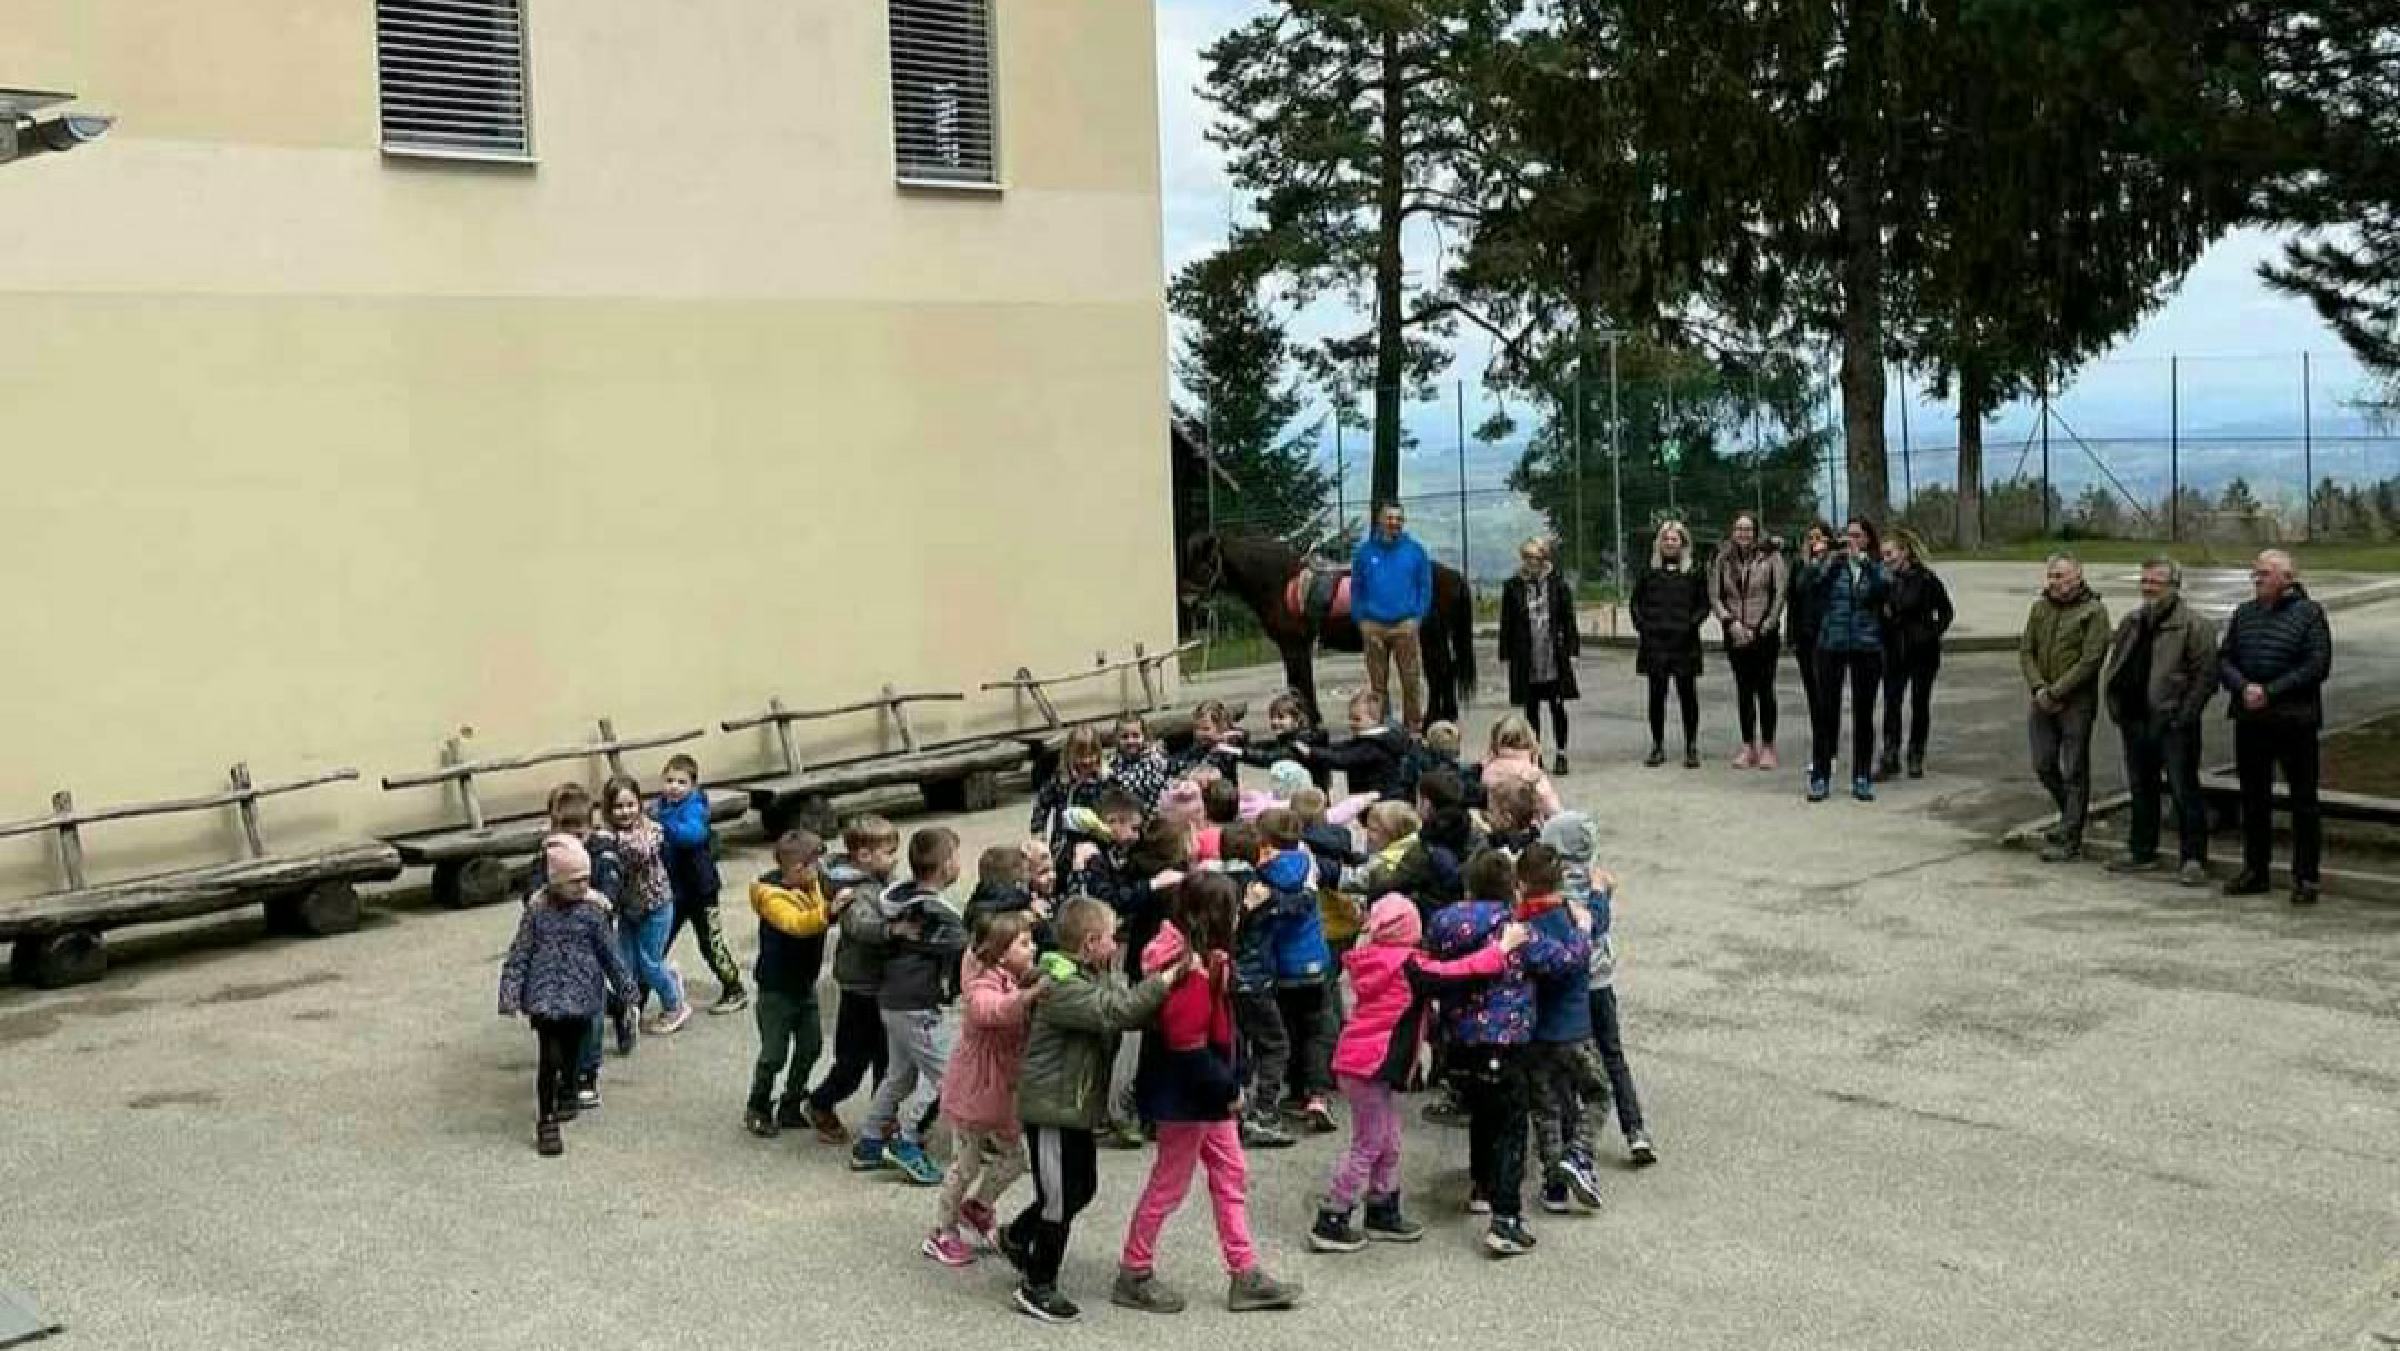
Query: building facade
771	357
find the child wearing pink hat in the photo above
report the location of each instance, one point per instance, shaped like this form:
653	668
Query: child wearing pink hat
558	973
1373	1060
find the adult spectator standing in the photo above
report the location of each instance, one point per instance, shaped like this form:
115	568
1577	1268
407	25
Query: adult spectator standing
1391	589
1846	589
2276	655
1669	605
1916	613
1539	643
2161	674
1801	618
1748	588
2061	652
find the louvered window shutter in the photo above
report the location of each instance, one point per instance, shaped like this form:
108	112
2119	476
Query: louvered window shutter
453	78
943	115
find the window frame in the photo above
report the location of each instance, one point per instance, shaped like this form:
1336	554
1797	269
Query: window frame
529	156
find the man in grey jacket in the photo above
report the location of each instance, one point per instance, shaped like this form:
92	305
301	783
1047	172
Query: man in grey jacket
2161	672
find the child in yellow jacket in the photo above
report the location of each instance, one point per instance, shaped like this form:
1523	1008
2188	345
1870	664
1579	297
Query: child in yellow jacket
792	918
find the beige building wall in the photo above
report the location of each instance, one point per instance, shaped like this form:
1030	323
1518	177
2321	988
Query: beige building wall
316	456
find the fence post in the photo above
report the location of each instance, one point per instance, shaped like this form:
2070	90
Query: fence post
2046	526
1341	488
2308	452
1616	459
1465	573
1581	571
2174	449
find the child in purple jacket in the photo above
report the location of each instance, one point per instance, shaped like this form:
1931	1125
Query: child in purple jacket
558	973
1489	1026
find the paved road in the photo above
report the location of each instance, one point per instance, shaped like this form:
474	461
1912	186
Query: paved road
1913	1091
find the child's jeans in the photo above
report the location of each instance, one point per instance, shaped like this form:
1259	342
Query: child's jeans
642	939
1565	1079
920	1050
1182	1145
788	1031
1066	1174
1372	1162
859	1050
1609	1038
1267	1047
989	1162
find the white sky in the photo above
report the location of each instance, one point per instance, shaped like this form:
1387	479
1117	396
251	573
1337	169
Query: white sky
2241	343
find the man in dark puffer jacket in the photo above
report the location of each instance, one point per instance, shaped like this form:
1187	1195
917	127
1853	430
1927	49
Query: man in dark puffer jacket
2273	661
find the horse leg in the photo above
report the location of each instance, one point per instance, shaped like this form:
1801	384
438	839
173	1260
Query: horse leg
1441	688
1300	672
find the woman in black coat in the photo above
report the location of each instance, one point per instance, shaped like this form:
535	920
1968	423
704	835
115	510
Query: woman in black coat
1669	605
1539	644
1916	613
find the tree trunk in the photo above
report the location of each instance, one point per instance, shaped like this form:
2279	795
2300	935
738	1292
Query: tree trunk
1862	195
1974	399
1390	351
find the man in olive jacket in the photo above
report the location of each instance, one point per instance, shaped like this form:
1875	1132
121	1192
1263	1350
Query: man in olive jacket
2161	674
2277	652
1062	1092
2065	642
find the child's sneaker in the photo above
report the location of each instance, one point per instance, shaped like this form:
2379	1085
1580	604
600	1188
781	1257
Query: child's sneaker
1144	1291
1478	1203
547	1142
1576	1172
669	1024
867	1156
1766	757
1819	788
624	1020
827	1123
1445	1111
1333	1232
731	1001
1045	1303
979	1217
946	1247
1385	1223
1121	1135
791	1113
1508	1237
1862	788
1640	1150
909	1157
760	1123
1255	1289
1259	1133
1319	1116
1554	1197
587	1094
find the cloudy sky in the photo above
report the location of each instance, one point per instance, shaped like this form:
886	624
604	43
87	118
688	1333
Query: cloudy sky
2240	343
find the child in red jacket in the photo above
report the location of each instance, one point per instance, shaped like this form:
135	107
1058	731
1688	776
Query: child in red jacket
1377	1050
1190	1085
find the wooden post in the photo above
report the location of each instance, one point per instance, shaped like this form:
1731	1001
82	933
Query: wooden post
1041	697
452	754
1141	662
899	712
608	740
783	736
70	842
254	842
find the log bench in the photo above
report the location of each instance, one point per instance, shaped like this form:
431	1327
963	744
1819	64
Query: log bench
1047	742
955	777
472	862
56	937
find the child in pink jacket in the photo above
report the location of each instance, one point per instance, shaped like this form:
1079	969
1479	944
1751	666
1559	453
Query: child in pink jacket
979	1091
1377	1050
1516	757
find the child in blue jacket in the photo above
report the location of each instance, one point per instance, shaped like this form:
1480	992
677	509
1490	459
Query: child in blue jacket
682	813
1563	1070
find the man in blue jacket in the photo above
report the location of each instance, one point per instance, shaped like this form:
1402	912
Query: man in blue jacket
2274	658
1391	591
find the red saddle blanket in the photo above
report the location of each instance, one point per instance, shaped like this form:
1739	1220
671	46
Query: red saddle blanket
1319	594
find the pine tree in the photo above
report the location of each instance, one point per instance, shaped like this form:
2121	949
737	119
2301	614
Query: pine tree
1234	362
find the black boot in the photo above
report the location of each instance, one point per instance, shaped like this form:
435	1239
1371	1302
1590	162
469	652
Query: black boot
1888	768
1916	764
1385	1223
1333	1232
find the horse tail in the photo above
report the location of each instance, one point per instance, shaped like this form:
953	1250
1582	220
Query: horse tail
1459	633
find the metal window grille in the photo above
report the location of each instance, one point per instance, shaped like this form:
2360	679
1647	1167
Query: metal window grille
943	123
453	78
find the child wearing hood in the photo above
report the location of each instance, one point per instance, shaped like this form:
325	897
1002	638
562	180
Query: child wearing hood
1378	1049
558	973
1191	1086
1576	837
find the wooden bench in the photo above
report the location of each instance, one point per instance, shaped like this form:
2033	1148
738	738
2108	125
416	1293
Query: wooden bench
960	776
57	936
471	863
1045	743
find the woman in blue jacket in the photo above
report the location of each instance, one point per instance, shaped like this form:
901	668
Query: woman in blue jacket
1848	587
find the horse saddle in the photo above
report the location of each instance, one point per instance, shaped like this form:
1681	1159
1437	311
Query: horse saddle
1318	594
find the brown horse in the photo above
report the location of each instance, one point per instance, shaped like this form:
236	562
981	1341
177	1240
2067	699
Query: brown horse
1259	570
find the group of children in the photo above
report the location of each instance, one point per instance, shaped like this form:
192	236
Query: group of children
1159	964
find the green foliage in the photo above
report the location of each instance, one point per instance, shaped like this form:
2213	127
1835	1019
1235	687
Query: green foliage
1235	361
